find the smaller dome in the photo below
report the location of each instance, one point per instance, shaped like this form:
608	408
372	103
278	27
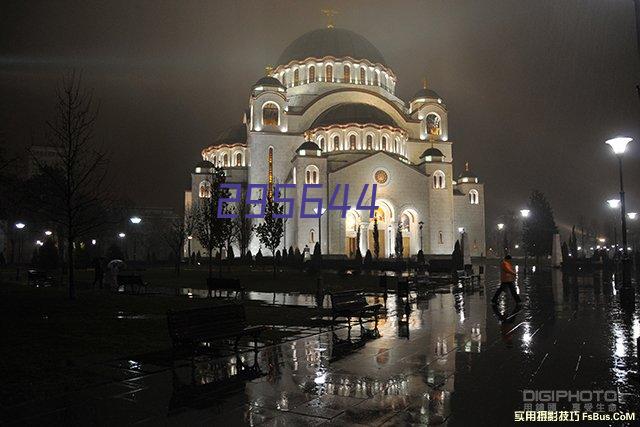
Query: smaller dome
233	135
269	82
309	147
467	175
426	93
431	152
204	164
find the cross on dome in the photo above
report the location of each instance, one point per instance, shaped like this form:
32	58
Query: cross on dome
329	13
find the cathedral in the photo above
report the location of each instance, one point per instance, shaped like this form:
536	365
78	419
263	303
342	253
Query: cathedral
328	114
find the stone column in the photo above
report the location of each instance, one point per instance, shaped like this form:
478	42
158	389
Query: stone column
364	238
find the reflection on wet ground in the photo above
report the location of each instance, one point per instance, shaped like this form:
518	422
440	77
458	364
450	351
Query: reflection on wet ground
451	359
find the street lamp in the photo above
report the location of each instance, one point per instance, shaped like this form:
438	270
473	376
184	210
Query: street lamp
421	224
19	226
122	235
48	233
524	213
500	226
619	146
189	239
632	215
322	211
135	220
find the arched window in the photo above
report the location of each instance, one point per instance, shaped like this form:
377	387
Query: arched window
204	189
270	169
396	146
225	160
363	76
270	114
384	143
328	72
352	142
438	179
347	74
433	124
321	143
284	79
311	175
376	77
336	143
474	197
312	74
312	236
213	160
369	142
440	238
238	159
296	77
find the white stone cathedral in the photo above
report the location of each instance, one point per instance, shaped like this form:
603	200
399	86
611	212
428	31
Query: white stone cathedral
328	114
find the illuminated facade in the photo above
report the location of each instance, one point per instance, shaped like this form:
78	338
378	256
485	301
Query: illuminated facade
328	114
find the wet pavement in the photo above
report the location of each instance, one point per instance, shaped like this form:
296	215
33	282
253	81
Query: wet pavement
451	359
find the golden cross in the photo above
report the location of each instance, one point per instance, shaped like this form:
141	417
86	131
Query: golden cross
424	83
329	13
268	69
466	166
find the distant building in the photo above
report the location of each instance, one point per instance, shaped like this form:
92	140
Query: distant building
328	114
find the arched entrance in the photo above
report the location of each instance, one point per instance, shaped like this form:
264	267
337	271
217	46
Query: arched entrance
352	223
408	226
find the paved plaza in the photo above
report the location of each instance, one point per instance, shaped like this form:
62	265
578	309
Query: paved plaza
450	359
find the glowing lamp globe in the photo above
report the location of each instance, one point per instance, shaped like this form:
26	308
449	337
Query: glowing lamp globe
619	145
135	220
632	215
613	203
20	225
500	226
525	213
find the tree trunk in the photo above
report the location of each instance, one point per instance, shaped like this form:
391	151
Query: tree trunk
70	253
210	262
220	263
274	263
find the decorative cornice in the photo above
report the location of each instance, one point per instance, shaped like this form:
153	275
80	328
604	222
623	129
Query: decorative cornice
337	59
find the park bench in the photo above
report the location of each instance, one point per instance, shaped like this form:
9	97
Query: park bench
132	281
467	278
193	331
39	278
217	285
350	304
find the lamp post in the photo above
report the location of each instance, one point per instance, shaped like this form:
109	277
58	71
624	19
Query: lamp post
19	226
322	211
619	146
135	220
501	235
189	239
524	213
421	224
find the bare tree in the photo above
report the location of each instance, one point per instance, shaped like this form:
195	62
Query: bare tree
174	234
243	225
74	183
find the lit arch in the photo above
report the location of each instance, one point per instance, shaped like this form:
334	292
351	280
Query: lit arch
311	73
311	175
439	180
346	70
270	114
328	73
204	190
474	197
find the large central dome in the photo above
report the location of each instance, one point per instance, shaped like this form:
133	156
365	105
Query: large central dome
335	42
362	114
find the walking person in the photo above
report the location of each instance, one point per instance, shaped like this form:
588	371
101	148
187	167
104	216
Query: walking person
507	281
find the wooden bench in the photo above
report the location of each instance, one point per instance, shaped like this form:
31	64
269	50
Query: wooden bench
39	278
223	284
133	281
193	331
349	304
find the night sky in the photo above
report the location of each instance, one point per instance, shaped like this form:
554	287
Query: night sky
533	88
